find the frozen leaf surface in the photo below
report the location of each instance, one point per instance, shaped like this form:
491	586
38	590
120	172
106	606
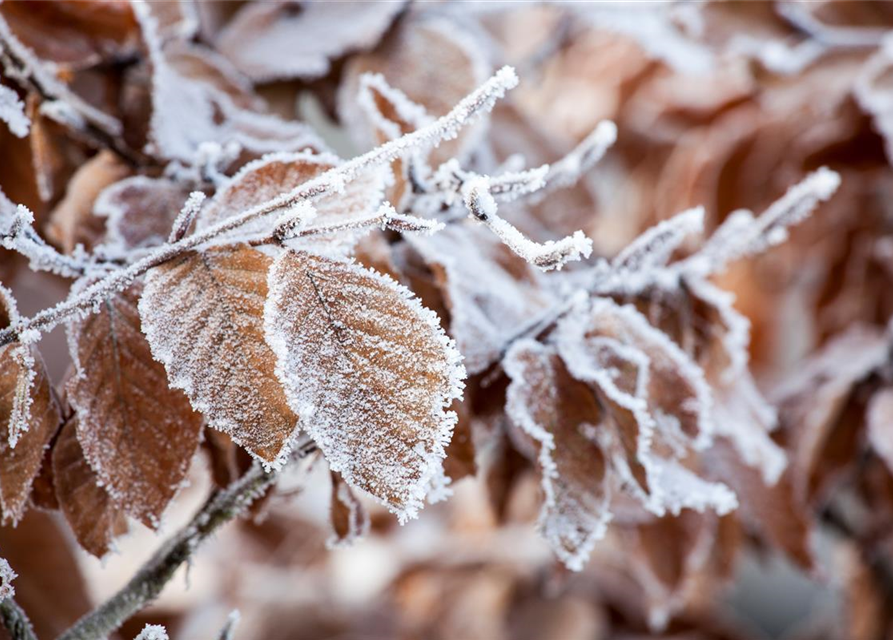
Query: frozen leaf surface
562	415
92	514
138	434
284	40
29	415
369	371
203	317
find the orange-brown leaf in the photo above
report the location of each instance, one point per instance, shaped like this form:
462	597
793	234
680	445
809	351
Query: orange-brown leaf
92	514
203	315
137	433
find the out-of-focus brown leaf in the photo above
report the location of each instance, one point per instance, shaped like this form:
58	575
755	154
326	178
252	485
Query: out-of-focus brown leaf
72	220
434	62
879	420
776	513
91	513
72	33
203	316
287	39
50	586
348	517
140	211
137	433
369	370
489	291
460	461
562	415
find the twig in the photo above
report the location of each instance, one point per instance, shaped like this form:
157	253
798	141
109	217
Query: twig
148	583
480	100
16	620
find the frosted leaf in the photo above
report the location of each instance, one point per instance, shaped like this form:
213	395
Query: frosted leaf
879	420
368	370
654	248
655	27
189	108
489	291
7	575
390	114
418	50
177	19
552	254
153	632
348	517
27	429
92	514
285	40
265	179
559	413
12	112
138	435
140	211
673	390
202	313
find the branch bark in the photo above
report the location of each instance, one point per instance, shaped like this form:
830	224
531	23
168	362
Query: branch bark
148	583
16	620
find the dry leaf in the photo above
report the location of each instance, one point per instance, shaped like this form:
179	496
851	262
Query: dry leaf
563	416
286	39
348	517
138	435
370	372
203	316
92	514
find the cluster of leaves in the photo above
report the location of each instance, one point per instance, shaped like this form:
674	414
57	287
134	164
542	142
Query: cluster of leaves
464	297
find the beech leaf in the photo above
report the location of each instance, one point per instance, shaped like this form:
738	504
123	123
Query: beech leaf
369	371
203	316
92	514
138	434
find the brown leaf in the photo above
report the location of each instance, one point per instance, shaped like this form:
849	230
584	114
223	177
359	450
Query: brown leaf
430	62
137	433
140	211
284	40
563	416
879	419
349	519
29	416
92	514
72	220
461	452
203	316
369	370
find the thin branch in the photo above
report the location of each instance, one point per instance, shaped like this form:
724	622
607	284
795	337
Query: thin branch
148	583
333	180
16	620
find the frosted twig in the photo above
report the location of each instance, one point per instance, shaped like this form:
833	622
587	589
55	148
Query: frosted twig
742	235
18	234
229	627
333	180
148	583
16	620
187	215
568	170
547	256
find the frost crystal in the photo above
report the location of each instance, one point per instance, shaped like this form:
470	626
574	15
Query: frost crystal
12	112
153	632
